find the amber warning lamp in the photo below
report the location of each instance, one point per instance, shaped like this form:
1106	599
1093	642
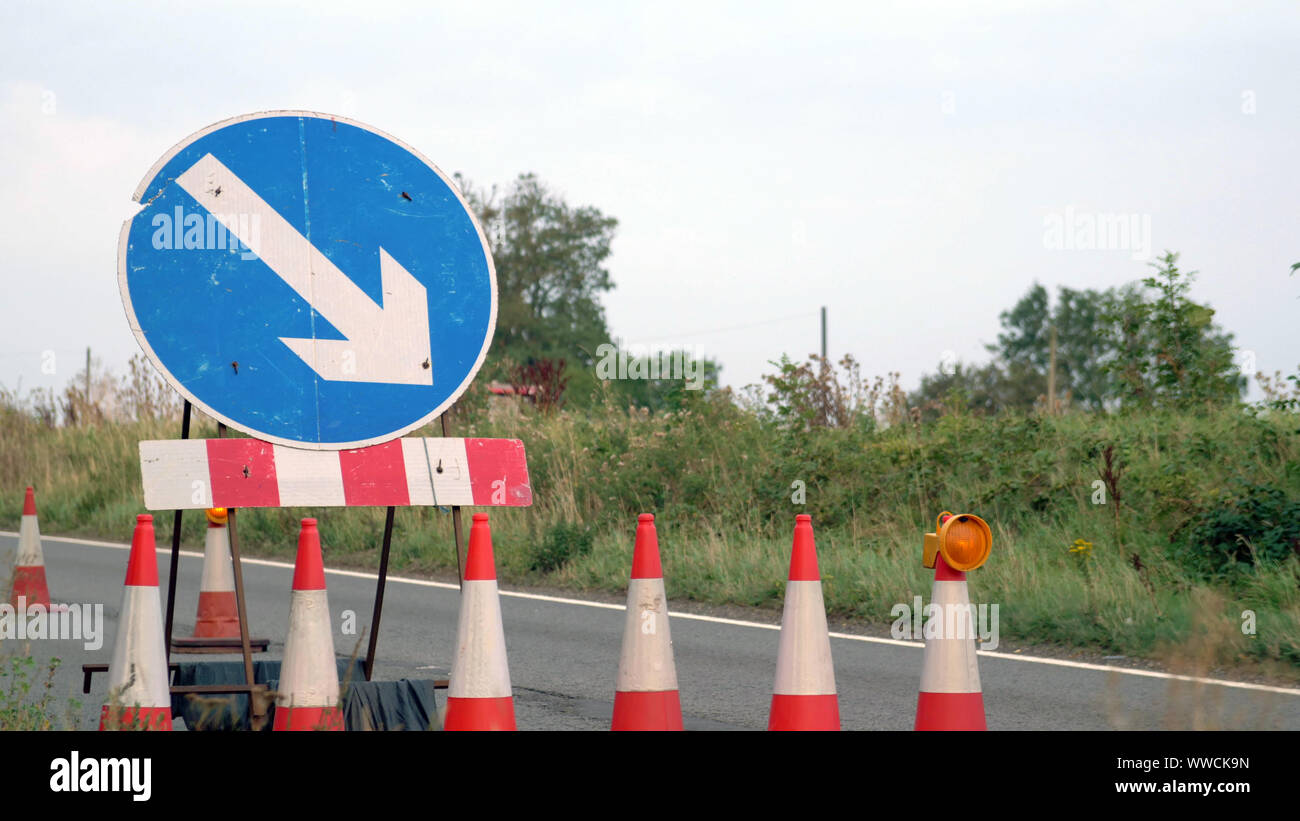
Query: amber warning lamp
217	515
964	539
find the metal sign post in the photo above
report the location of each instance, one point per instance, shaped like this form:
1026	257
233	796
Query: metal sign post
176	550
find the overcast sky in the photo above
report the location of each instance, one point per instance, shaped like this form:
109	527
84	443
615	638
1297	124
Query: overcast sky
903	164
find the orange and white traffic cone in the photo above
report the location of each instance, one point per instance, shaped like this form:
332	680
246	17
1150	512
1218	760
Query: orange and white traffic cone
308	694
646	696
29	564
803	697
218	612
951	698
139	696
479	695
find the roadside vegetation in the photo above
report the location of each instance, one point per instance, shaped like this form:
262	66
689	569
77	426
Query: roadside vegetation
27	696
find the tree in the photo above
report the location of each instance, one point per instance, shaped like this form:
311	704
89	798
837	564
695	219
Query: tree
1167	348
1142	344
983	389
1080	347
1026	329
550	261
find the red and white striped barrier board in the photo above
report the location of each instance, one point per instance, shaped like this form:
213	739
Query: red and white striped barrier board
188	474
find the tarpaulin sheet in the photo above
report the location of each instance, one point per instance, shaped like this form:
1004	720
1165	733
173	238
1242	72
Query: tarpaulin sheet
367	705
391	705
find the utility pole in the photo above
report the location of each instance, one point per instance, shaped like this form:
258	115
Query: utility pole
87	376
1051	376
823	333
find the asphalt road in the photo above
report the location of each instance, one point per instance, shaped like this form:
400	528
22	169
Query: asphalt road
563	658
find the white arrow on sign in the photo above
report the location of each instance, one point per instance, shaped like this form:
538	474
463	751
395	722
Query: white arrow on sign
388	343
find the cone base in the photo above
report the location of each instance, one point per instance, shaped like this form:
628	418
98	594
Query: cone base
29	581
660	710
135	718
819	712
950	711
480	714
308	718
218	616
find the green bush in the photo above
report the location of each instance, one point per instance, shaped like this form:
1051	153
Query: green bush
1241	528
563	542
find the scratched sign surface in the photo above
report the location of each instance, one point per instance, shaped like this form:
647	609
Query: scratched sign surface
308	280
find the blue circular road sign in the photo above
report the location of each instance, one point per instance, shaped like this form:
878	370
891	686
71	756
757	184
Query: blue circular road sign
308	279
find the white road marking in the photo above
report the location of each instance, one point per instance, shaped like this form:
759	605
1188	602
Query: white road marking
1078	665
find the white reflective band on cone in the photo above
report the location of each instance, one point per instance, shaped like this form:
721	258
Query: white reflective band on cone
29	544
137	673
803	661
218	575
646	664
309	676
950	665
480	669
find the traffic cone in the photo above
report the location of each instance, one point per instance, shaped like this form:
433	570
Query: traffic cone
951	698
29	563
218	612
139	696
307	697
646	697
803	697
479	695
